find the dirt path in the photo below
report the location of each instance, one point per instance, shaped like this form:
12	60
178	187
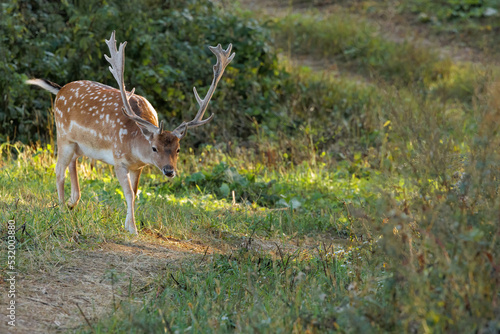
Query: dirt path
90	281
88	284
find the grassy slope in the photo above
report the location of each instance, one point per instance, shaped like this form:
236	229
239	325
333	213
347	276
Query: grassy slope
323	197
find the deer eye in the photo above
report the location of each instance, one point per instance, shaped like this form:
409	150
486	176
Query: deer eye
154	149
178	150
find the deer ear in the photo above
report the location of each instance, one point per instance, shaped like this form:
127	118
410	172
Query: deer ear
148	134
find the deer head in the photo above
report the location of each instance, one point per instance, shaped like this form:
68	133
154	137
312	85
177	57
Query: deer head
164	145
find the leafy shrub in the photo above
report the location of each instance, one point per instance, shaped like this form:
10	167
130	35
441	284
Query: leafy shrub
223	180
166	56
454	9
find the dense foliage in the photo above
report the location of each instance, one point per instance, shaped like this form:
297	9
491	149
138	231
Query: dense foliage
454	9
166	56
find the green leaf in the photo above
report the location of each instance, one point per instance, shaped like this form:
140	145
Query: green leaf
224	190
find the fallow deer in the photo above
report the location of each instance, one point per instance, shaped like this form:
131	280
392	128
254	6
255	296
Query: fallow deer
118	127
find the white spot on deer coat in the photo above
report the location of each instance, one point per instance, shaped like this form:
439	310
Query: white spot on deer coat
122	133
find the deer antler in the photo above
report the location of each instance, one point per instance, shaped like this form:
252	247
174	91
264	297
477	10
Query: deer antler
117	61
223	59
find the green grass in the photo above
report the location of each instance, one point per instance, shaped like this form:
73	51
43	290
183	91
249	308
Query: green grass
295	193
314	201
471	22
388	233
359	46
244	292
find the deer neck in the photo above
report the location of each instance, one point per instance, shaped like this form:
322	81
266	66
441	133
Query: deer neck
141	150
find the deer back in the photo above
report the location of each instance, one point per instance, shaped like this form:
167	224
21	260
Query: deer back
90	114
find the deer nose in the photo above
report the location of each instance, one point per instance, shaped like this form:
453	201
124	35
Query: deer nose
168	171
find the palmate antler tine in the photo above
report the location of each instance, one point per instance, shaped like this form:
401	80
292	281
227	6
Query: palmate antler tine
224	57
117	60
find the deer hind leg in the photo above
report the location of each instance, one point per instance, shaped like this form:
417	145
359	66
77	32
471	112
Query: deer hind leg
65	152
75	186
134	180
123	176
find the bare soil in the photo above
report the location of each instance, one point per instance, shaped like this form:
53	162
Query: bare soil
91	282
88	284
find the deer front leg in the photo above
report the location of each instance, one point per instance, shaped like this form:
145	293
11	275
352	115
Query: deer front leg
123	176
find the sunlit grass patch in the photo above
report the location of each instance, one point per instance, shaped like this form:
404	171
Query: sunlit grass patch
297	201
312	200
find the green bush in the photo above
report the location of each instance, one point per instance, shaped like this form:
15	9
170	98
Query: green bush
166	56
453	9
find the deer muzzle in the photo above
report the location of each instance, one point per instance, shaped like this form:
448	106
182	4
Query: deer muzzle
168	171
